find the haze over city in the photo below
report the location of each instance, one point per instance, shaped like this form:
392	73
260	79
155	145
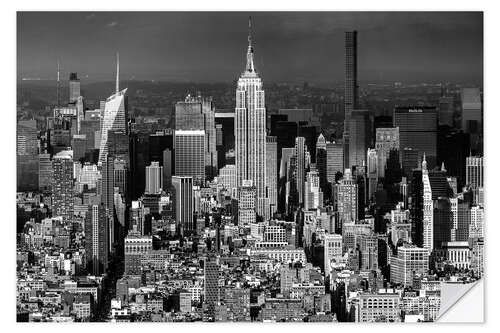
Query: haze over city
290	46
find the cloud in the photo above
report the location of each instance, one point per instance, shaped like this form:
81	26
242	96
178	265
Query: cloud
90	17
112	24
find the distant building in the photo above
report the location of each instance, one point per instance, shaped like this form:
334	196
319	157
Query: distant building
154	178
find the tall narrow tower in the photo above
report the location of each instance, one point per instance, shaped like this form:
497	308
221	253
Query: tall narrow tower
250	129
115	115
351	87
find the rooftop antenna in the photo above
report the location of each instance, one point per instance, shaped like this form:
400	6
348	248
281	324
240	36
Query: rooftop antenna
117	72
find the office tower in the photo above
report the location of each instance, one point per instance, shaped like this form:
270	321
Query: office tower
118	145
310	136
74	88
474	172
386	139
79	146
321	160
410	161
167	168
45	172
334	160
368	251
212	291
190	155
108	185
246	203
27	173
416	207
198	114
471	110
114	116
400	225
96	239
359	136
372	171
476	226
285	132
428	209
409	262
89	128
136	245
347	198
333	252
452	150
225	119
313	196
27	142
120	176
446	110
272	173
350	88
298	115
300	167
154	178
443	222
183	198
227	177
250	130
418	130
62	185
138	217
88	176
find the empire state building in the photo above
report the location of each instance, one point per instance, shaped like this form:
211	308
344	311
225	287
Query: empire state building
250	131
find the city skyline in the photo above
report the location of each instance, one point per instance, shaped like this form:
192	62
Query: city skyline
423	46
287	204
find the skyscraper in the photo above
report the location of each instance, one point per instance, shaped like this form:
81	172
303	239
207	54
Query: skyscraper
272	174
74	88
115	115
197	113
418	130
190	154
471	110
428	209
246	203
313	196
250	129
96	239
212	290
183	197
474	171
334	160
321	160
347	198
300	167
154	178
333	251
351	87
386	139
62	185
359	136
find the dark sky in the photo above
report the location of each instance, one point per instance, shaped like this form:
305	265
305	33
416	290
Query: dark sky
289	46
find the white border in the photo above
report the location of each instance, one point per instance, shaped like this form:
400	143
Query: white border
8	180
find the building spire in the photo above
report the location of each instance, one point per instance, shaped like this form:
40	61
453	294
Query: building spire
424	163
250	66
117	72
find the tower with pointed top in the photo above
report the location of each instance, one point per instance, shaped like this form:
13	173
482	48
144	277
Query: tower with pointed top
428	209
114	117
250	130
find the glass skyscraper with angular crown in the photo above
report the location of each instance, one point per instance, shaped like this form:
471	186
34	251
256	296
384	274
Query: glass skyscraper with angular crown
114	117
250	130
